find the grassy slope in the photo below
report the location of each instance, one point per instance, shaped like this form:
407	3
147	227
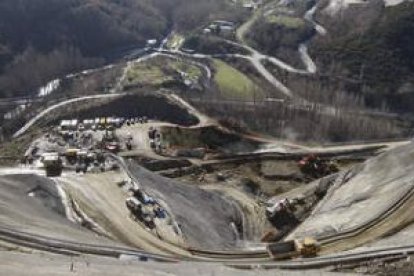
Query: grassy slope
160	70
233	84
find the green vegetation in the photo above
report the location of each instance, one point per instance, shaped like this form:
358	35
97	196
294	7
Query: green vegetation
44	39
275	32
11	151
233	84
146	74
176	41
161	71
84	34
209	137
209	44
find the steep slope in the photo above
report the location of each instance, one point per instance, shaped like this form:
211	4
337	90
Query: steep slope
32	204
40	40
370	46
368	192
205	217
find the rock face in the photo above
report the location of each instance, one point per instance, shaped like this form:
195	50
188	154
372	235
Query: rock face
374	187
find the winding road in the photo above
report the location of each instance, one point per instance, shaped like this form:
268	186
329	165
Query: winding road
39	116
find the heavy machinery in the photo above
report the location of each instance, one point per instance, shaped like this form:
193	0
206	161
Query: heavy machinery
52	163
140	212
314	167
83	161
71	155
110	142
152	133
307	248
112	146
128	142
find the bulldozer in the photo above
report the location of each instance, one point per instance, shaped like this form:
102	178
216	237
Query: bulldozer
53	164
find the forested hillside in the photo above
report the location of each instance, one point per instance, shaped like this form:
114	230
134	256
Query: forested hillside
375	49
33	34
43	39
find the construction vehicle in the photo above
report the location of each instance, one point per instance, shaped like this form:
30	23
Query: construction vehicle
152	133
141	212
307	248
71	155
128	142
81	167
102	123
110	142
280	206
84	159
52	163
314	167
112	146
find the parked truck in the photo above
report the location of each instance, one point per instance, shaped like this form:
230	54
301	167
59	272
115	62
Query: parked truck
52	164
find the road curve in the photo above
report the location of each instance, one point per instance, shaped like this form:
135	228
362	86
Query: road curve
39	116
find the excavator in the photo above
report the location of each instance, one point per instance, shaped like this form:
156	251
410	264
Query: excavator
314	167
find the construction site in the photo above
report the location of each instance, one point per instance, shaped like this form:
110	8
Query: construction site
206	138
144	188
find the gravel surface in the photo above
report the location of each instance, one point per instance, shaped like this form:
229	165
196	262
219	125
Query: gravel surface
13	264
43	215
204	217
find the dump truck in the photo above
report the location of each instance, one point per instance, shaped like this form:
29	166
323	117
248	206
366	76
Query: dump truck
52	163
307	248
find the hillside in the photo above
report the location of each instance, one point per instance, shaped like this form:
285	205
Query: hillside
372	47
45	39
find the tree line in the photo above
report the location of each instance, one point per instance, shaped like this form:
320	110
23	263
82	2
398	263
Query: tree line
51	38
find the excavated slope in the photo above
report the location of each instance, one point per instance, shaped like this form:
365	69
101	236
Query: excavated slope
375	186
205	217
